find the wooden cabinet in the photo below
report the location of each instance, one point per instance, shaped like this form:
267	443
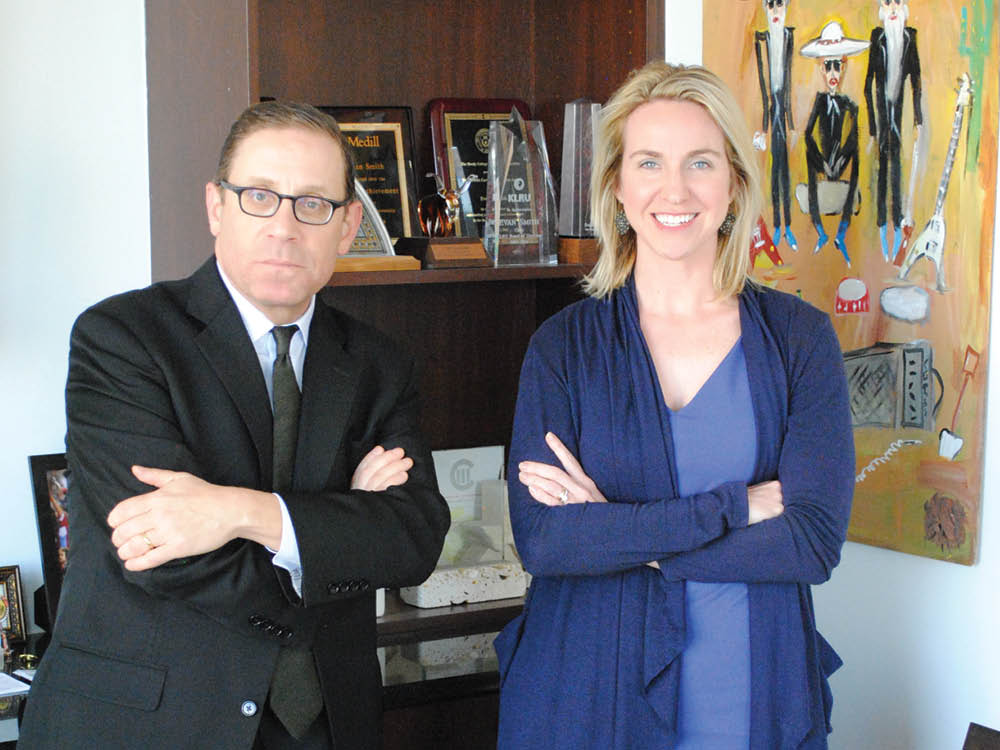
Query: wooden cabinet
467	329
407	52
206	61
459	711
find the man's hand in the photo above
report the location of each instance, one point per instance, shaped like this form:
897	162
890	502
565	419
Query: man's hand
187	516
381	469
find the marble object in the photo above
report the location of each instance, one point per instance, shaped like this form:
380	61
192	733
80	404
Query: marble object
477	583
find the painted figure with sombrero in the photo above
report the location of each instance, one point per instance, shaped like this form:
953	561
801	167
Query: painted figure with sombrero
831	137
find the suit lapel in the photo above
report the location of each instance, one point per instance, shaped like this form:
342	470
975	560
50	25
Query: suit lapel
226	345
329	381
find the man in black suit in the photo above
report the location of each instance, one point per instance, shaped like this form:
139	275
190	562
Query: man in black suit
831	136
892	58
774	49
201	609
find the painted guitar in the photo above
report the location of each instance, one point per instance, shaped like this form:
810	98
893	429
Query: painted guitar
907	225
930	243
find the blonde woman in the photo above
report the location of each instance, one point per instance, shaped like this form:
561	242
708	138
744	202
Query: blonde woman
683	447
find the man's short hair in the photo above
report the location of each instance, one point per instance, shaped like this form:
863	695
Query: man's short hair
284	114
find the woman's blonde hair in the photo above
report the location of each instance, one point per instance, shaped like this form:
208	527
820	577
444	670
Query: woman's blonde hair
660	80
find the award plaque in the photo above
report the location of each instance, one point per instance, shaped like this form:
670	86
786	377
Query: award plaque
460	137
520	226
381	142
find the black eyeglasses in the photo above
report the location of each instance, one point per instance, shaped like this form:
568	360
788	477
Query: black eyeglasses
261	202
831	65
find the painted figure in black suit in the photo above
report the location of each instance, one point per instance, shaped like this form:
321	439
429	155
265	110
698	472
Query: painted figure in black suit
221	594
892	59
831	135
774	50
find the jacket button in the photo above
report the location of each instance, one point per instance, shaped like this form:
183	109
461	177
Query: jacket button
248	708
333	588
256	620
365	586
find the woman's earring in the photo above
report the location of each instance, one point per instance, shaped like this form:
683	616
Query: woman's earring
621	222
727	224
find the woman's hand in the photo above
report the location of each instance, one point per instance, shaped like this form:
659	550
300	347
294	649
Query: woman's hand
765	501
554	486
381	469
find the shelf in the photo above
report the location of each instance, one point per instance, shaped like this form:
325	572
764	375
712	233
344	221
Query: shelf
457	275
463	687
403	623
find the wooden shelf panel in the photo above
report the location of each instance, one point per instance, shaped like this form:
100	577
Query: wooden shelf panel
457	275
467	330
401	53
403	623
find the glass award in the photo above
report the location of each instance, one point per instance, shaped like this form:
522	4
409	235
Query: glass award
520	223
578	151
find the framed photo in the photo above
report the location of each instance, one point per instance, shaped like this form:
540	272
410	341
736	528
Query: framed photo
50	480
460	134
11	605
381	140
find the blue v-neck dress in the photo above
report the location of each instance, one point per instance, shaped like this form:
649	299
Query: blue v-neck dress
714	440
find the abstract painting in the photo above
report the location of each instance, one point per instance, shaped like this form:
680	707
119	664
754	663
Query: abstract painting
875	122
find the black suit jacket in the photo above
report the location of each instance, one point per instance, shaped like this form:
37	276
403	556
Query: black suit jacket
831	137
878	63
772	106
181	656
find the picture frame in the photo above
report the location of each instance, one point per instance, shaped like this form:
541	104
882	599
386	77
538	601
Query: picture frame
460	141
12	604
50	481
381	140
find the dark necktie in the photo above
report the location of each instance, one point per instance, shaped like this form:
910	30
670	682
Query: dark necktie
286	409
296	698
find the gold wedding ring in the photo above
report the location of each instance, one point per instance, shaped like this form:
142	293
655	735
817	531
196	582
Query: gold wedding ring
147	541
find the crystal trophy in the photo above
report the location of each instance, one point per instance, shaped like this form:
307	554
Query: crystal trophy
578	151
520	226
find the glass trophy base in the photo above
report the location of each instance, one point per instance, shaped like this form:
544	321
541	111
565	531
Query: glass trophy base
527	250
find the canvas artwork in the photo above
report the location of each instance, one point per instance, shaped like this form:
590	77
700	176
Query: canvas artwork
875	122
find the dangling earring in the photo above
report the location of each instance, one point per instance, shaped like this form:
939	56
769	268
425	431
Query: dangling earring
621	222
727	224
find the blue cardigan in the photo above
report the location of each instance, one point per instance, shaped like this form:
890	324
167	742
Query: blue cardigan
593	660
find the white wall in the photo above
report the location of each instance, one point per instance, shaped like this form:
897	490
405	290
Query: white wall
74	217
920	638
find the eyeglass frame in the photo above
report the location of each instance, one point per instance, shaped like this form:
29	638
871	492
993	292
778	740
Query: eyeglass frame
240	189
